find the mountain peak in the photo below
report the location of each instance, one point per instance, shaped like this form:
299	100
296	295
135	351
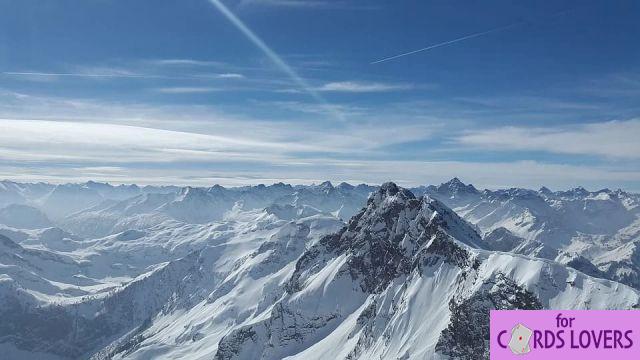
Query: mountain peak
191	192
455	180
389	190
393	235
345	186
545	190
326	185
455	186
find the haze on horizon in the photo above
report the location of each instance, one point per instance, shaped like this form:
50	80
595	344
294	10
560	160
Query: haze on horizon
235	92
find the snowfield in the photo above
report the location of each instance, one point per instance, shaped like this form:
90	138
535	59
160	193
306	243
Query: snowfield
94	271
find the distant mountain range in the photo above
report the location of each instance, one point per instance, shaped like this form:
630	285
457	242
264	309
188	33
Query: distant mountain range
299	272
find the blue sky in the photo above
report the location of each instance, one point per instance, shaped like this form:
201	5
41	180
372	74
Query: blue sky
248	91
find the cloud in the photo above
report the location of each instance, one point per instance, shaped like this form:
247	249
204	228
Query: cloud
105	73
200	145
612	139
97	143
187	62
314	108
362	87
231	76
305	4
187	90
288	3
32	74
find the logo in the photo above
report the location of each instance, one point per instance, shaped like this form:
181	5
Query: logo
519	343
552	334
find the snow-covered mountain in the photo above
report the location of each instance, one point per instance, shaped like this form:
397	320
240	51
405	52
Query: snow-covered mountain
584	229
76	205
299	272
23	217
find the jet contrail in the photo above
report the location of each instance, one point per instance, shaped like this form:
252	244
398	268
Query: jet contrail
277	60
471	36
467	37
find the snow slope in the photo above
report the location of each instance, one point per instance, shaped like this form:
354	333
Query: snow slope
592	231
273	272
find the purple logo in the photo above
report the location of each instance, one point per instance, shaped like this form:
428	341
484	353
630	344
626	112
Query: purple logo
564	334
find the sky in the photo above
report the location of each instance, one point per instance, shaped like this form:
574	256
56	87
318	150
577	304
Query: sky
236	92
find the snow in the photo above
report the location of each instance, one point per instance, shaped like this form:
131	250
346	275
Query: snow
195	273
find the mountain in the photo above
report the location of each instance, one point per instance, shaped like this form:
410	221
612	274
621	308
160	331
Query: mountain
203	205
119	284
577	227
10	193
69	198
268	272
397	260
23	217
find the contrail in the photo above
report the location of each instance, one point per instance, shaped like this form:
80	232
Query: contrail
471	36
277	60
467	37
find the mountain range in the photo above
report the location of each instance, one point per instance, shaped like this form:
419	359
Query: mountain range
95	271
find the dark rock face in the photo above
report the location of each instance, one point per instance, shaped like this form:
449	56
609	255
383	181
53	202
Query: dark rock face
443	249
626	270
581	263
230	346
63	330
467	336
502	239
389	236
285	326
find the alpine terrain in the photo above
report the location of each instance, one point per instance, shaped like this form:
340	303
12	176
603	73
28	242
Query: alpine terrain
96	271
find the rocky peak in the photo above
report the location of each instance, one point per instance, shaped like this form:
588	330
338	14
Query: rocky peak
578	192
456	187
281	185
217	188
545	191
393	235
326	187
394	212
389	193
345	186
191	193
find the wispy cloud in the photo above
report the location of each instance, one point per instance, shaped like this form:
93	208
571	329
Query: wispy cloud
529	174
187	90
230	76
84	75
104	73
617	85
314	108
306	4
187	62
614	139
356	137
200	146
362	87
82	142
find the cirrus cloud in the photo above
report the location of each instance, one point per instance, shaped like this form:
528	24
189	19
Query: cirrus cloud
362	87
613	139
